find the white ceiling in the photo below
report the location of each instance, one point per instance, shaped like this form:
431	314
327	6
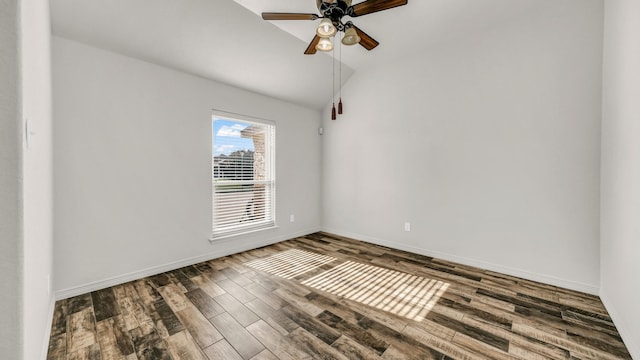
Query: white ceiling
227	41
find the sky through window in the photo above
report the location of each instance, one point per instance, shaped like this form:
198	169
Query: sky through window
227	138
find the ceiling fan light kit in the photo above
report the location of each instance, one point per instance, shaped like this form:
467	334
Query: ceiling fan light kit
331	13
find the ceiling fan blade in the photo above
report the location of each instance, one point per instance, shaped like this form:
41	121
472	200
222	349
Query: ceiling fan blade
371	6
366	41
312	46
288	16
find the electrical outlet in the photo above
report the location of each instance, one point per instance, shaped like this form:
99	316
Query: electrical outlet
407	226
292	218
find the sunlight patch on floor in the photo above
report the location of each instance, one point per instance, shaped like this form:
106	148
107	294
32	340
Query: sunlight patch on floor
290	263
399	293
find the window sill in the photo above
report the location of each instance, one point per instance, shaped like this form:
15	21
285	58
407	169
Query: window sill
213	238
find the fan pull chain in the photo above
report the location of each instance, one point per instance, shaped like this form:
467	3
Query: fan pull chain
340	79
333	86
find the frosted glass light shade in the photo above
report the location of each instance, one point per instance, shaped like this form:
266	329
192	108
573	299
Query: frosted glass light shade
324	45
350	37
326	28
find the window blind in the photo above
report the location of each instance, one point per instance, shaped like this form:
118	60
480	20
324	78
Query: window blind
243	173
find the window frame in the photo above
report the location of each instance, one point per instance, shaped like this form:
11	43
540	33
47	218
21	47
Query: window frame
270	182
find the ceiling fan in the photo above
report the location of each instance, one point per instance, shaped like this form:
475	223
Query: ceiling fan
332	12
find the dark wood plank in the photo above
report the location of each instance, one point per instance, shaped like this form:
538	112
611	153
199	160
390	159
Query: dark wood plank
130	306
313	346
235	290
91	352
148	345
207	306
59	321
299	301
81	330
147	293
207	285
469	310
200	328
122	336
354	332
182	346
235	308
617	349
160	280
561	341
264	281
185	281
78	303
523	305
174	297
203	267
279	345
222	350
189	271
241	340
311	325
236	277
114	342
259	308
266	355
353	350
518	345
57	347
413	348
440	345
104	304
280	318
590	322
169	319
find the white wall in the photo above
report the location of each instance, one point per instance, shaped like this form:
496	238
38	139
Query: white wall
10	186
37	175
133	157
620	192
488	146
25	180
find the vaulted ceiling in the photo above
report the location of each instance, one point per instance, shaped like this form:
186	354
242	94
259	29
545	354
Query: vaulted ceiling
227	41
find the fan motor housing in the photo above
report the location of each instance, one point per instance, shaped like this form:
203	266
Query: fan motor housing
334	9
327	3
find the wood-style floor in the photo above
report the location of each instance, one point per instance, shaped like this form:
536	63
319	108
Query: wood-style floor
327	297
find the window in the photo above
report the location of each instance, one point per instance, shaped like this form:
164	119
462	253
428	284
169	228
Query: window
243	173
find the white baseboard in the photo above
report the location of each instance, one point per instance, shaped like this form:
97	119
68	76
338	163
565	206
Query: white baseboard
135	275
546	279
121	279
632	343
